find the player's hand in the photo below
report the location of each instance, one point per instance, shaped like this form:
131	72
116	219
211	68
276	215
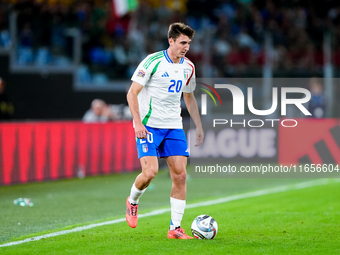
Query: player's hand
140	131
199	136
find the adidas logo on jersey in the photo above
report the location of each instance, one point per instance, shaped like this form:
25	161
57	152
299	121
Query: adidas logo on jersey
165	74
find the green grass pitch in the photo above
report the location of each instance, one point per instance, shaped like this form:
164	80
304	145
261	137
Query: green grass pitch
304	221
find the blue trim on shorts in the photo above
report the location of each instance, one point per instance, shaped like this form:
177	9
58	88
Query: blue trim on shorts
163	143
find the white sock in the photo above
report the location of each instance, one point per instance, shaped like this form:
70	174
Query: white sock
135	194
177	211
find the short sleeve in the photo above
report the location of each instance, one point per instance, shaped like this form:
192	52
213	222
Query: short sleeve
142	74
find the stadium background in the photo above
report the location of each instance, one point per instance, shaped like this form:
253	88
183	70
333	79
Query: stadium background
57	56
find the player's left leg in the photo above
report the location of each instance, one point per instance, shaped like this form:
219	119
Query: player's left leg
177	167
174	149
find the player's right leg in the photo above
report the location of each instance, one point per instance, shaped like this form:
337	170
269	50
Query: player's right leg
148	155
149	171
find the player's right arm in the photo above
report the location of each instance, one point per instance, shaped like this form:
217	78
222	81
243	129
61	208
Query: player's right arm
140	129
139	79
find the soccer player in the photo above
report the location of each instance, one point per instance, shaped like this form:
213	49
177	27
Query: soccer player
154	101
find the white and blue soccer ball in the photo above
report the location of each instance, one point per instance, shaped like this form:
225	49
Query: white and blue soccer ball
204	227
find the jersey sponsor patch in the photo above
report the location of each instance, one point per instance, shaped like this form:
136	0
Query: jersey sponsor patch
141	74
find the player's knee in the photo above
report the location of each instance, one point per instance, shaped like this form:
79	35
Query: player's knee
180	177
151	174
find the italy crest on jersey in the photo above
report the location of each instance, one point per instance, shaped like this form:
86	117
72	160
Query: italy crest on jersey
186	73
145	148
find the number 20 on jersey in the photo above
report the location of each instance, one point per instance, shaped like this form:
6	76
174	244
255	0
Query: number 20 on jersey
175	86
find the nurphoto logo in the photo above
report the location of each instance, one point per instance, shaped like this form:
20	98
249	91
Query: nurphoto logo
239	102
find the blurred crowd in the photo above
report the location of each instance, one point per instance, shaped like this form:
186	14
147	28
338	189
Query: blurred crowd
229	38
100	111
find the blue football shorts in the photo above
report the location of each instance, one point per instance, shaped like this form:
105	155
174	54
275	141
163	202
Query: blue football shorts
163	143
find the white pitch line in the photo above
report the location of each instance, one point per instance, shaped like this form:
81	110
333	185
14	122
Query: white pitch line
257	193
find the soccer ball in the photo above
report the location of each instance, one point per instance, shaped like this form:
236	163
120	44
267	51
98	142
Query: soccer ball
204	227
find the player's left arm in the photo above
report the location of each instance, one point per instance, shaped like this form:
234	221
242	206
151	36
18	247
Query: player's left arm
191	103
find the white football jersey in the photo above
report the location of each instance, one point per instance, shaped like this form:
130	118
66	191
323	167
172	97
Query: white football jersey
163	81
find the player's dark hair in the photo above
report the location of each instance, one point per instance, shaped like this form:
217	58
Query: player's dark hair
178	28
